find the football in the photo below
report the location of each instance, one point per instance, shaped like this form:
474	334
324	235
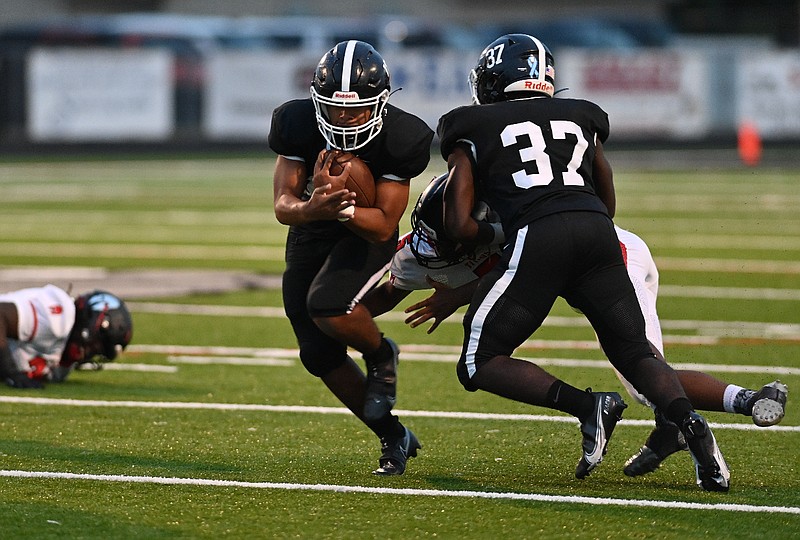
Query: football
360	180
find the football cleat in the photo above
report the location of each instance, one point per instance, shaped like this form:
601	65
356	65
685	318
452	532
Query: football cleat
381	393
664	440
395	453
769	404
597	430
710	467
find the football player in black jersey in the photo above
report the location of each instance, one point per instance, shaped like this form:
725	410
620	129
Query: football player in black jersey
538	162
335	252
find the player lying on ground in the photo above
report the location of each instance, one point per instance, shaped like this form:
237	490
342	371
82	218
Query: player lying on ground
427	259
44	333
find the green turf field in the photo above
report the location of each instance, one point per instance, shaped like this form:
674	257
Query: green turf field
209	427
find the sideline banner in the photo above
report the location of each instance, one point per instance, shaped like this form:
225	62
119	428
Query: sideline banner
769	92
243	88
99	95
646	94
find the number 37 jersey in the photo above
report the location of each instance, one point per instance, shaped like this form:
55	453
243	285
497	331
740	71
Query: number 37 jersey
530	157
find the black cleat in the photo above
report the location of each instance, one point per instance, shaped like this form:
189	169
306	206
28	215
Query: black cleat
712	471
396	452
769	403
664	440
597	430
381	394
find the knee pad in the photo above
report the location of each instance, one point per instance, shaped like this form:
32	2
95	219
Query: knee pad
319	360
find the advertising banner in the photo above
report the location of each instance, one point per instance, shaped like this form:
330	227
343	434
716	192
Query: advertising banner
646	94
99	95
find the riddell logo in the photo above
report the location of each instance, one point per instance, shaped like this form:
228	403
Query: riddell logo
537	85
345	95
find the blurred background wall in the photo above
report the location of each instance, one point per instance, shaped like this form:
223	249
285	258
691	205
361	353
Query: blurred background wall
197	73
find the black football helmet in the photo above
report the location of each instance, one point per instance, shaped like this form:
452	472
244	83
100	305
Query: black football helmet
513	66
428	242
352	74
103	327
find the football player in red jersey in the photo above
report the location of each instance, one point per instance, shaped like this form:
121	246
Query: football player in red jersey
538	162
335	254
44	333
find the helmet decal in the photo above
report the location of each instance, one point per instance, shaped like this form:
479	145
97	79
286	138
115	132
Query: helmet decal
533	64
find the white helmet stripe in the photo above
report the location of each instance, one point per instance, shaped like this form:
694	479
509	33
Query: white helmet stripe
347	67
542	58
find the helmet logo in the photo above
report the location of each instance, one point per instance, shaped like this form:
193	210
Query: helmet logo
533	64
103	302
345	95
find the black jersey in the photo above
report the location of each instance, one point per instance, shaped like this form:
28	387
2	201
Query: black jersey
400	151
531	157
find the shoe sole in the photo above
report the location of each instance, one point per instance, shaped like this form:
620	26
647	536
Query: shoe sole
767	412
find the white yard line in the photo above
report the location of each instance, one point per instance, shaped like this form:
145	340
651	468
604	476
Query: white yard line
308	409
192	354
408	492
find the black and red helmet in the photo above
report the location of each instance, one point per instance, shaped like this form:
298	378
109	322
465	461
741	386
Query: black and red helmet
103	328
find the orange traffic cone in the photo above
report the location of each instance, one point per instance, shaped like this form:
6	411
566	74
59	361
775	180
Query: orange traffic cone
749	144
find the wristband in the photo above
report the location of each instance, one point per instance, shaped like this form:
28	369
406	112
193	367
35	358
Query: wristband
349	212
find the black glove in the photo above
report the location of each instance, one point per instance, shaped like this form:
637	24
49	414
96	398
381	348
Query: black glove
21	380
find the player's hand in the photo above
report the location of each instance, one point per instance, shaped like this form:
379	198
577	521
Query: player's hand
21	380
322	171
329	198
438	306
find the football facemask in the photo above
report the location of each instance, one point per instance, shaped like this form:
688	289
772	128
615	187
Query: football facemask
352	74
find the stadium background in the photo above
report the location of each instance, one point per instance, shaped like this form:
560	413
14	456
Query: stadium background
186	75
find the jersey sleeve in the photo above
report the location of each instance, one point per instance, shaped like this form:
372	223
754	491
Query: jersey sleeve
293	129
451	125
598	119
409	143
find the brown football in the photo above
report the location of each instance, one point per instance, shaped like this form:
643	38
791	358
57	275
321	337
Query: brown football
360	180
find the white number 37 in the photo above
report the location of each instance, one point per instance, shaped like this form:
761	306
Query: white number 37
536	152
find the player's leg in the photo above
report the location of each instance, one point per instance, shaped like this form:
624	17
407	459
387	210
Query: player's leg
326	357
606	296
504	312
352	268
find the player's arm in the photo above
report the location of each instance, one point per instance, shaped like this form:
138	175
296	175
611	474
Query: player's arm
440	305
378	223
459	201
9	372
383	298
326	202
604	179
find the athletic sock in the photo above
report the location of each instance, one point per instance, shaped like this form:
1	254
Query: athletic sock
383	353
729	397
565	398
